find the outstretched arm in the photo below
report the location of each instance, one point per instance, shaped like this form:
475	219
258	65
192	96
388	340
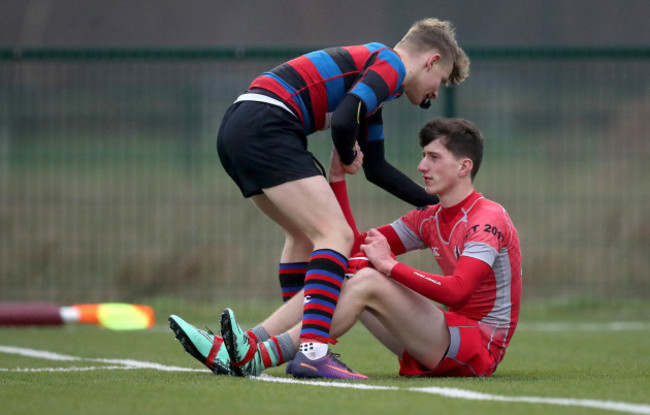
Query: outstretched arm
349	125
383	174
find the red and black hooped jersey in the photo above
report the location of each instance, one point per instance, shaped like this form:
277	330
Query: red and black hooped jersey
314	84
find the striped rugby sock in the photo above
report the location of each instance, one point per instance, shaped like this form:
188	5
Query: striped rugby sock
276	350
292	278
323	282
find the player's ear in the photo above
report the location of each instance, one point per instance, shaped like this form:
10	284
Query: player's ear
432	59
465	167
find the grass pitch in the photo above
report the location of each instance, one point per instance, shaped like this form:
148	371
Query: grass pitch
583	366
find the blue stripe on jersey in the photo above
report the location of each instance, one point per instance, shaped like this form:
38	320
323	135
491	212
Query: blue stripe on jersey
294	95
392	97
367	95
331	74
374	46
375	132
281	81
394	60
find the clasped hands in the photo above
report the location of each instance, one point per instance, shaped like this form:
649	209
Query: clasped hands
375	253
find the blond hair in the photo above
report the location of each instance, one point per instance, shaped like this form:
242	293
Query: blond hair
431	33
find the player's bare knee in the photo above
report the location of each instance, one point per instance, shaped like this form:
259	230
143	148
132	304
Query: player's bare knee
366	282
333	234
347	237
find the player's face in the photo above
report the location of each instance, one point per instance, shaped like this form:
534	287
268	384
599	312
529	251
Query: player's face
439	168
425	84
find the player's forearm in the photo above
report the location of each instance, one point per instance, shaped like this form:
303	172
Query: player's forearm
452	290
383	174
442	289
345	127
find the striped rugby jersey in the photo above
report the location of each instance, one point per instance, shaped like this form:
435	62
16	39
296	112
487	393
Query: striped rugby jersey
314	84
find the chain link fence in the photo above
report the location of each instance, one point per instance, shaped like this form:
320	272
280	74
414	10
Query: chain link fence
111	189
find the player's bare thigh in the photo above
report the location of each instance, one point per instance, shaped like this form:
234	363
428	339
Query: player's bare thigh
308	206
414	320
297	245
381	333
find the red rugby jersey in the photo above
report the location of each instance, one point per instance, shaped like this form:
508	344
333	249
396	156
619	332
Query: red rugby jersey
478	229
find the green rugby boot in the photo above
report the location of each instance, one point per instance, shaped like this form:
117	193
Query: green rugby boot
245	356
203	345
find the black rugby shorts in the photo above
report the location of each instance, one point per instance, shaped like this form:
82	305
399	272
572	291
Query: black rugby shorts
262	145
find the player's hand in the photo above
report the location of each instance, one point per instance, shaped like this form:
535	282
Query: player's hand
356	164
377	249
355	263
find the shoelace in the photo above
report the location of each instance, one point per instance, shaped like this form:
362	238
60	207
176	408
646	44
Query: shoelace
335	355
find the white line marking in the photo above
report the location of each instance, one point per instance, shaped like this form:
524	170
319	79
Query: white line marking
41	354
129	364
66	369
331	384
471	395
125	363
588	403
586	327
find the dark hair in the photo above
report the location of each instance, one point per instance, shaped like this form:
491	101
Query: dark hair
460	137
